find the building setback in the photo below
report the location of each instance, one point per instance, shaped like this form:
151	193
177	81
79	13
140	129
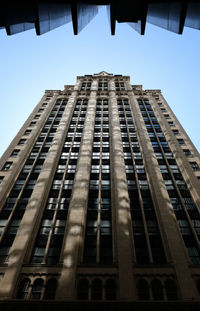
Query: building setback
100	203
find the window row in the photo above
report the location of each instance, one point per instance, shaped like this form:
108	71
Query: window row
96	289
157	290
37	290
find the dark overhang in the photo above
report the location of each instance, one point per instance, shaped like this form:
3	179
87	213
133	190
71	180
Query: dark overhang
17	16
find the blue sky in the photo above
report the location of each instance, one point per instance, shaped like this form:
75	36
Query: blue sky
29	64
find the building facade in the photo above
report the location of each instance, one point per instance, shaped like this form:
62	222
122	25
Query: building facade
100	203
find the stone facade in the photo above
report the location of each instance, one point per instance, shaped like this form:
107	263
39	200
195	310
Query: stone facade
100	202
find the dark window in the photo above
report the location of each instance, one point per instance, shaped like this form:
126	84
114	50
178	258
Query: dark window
82	291
181	142
96	290
119	86
198	285
7	166
110	290
143	290
194	166
38	254
50	290
21	142
27	132
1	179
85	86
4	250
187	152
23	289
54	254
157	290
103	86
2	225
15	152
37	289
171	290
176	132
32	123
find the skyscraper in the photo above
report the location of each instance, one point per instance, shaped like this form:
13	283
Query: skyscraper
100	203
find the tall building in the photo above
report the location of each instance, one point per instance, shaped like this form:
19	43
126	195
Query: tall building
100	203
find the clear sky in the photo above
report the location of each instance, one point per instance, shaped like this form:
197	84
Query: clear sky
29	64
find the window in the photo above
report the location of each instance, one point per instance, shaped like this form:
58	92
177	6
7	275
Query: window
198	285
32	123
59	228
169	184
119	86
175	132
53	255
171	290
4	250
103	86
31	183
157	290
181	142
15	152
51	204
61	169
194	255
10	203
187	152
85	86
33	155
110	289
174	169
50	290
27	168
163	168
3	223
158	155
37	289
27	132
37	168
38	254
1	179
21	142
19	184
7	166
23	289
194	166
96	289
43	155
143	290
13	227
83	288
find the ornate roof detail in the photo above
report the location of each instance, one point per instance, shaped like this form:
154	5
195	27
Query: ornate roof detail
103	73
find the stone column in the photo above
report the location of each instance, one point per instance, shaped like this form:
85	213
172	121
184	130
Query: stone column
34	211
173	243
120	204
75	229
